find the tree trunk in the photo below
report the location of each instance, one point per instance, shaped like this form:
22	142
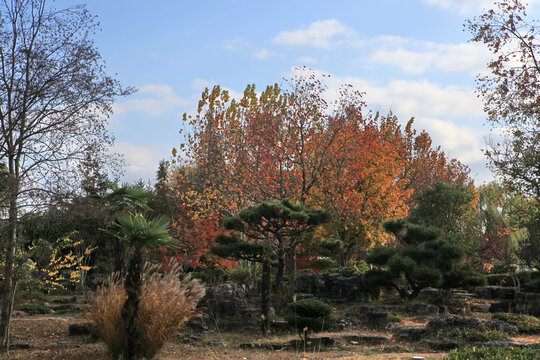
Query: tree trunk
292	272
280	267
130	310
8	290
265	296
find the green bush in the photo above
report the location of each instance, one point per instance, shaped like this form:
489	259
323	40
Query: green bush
471	335
495	353
240	275
33	309
323	264
209	275
526	324
345	271
309	315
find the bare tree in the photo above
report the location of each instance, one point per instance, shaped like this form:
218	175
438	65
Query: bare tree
54	102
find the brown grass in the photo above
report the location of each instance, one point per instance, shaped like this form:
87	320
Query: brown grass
166	304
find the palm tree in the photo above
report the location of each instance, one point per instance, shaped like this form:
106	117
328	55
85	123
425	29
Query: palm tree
139	233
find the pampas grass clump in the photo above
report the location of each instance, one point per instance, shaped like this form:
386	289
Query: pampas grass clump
166	304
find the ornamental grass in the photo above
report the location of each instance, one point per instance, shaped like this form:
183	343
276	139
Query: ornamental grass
166	304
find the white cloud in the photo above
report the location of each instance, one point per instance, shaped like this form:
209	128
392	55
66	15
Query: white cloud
422	98
415	57
263	54
318	34
152	100
461	142
142	160
201	84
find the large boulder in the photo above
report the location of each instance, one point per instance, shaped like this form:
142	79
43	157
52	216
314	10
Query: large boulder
457	322
226	306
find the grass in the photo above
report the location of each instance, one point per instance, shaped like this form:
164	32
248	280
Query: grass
526	324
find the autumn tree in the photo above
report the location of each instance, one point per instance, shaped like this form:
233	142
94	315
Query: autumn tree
511	92
54	96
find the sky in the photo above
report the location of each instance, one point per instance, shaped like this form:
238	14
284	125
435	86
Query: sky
410	57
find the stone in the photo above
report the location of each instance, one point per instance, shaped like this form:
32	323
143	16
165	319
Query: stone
81	329
67	308
442	345
425	309
227	306
198	323
410	333
215	343
344	323
527	303
495	324
503	306
505	343
452	322
376	318
366	339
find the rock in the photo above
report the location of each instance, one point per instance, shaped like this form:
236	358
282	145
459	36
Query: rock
496	292
227	306
459	309
527	303
362	309
198	323
505	343
215	343
410	333
481	308
532	286
191	338
442	345
376	318
366	339
452	322
494	324
421	318
81	329
504	306
425	309
344	323
67	308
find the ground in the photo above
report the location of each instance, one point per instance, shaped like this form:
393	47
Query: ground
48	336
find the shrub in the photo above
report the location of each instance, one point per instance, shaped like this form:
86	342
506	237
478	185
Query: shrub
526	324
309	315
345	271
166	304
33	309
495	353
240	275
323	264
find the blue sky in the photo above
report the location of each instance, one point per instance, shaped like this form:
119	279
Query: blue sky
411	57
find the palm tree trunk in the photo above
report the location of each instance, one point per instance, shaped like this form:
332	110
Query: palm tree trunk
130	310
